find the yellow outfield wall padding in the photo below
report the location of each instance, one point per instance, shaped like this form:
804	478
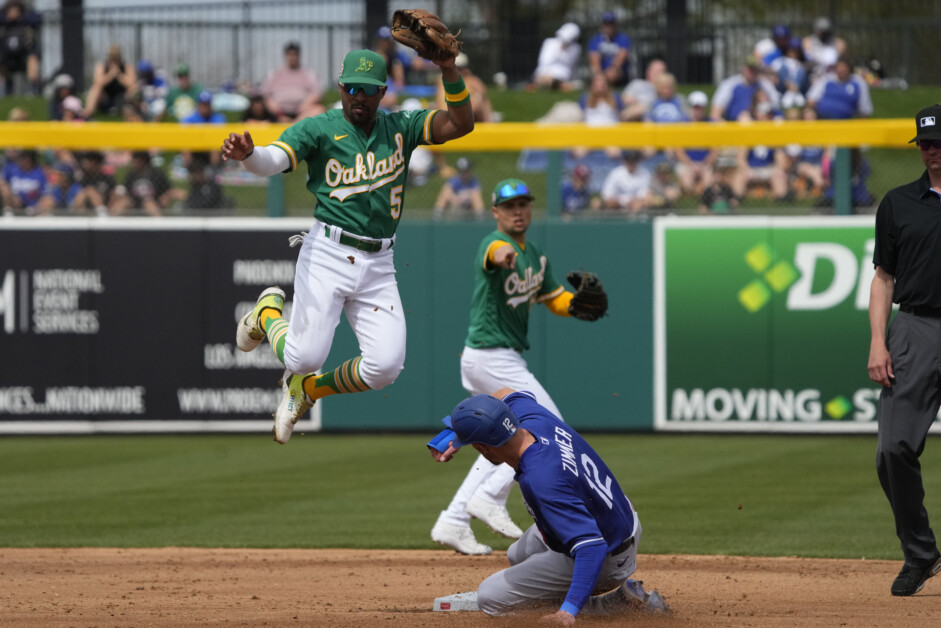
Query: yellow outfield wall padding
507	136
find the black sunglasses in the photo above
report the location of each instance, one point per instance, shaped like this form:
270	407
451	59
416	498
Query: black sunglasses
926	144
353	88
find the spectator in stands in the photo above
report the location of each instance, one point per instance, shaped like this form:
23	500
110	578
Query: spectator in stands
775	47
600	104
718	197
62	86
808	164
640	94
62	185
461	194
840	95
734	96
667	107
576	193
72	109
113	82
145	188
694	166
293	92
257	110
96	187
396	58
609	52
761	165
19	48
822	48
789	69
627	187
558	59
480	101
860	196
181	99
204	114
152	89
204	193
664	189
23	186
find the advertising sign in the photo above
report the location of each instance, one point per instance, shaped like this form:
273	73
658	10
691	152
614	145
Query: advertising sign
129	325
761	324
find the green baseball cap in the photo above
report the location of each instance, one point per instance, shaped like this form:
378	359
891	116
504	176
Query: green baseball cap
364	67
508	189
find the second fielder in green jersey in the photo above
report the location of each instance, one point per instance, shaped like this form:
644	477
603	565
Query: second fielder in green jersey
357	162
511	275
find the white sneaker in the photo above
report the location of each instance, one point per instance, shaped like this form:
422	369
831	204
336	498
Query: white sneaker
461	538
293	405
249	333
494	515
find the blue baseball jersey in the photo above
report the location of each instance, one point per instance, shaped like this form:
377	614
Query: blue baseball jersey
568	489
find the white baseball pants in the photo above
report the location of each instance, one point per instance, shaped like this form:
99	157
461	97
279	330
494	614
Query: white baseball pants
485	371
333	277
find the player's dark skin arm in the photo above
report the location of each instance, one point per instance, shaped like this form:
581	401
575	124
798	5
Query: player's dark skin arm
454	122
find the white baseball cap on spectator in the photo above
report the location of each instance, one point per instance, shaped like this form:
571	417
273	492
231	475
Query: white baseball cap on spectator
569	32
698	99
73	104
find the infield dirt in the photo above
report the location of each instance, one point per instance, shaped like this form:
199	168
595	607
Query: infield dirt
248	587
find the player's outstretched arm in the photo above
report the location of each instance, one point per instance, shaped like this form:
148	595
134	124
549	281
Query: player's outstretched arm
237	146
458	119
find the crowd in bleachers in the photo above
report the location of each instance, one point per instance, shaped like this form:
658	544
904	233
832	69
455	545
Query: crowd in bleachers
785	76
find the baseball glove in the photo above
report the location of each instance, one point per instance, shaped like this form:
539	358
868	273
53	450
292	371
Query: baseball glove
424	32
590	301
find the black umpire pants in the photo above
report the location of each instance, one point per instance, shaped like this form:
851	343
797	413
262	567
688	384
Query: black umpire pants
906	411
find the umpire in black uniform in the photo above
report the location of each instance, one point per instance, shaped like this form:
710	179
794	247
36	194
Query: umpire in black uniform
908	364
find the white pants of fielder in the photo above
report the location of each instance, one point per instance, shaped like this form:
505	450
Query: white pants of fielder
484	371
537	575
331	278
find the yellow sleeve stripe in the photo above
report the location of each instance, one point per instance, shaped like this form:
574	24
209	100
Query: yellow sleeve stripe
546	298
290	151
429	138
559	304
457	97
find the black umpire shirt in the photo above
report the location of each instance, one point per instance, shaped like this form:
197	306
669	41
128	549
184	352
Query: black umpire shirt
908	242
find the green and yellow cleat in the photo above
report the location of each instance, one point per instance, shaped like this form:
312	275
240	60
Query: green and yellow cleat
249	333
292	407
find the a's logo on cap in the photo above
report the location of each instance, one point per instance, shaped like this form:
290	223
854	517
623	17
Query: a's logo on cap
365	65
927	121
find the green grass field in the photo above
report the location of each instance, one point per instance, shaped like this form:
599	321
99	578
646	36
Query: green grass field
814	496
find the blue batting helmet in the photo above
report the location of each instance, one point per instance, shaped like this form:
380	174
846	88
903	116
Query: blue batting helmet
483	419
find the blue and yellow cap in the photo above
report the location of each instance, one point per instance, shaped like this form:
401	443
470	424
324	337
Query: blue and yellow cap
508	189
364	67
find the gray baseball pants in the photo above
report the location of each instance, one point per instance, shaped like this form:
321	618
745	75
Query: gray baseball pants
538	576
906	411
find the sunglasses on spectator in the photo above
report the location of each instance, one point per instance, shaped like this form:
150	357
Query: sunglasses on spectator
926	144
353	88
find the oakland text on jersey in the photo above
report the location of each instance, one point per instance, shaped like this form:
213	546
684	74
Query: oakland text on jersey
365	169
526	286
564	440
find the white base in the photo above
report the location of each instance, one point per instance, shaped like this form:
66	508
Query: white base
457	602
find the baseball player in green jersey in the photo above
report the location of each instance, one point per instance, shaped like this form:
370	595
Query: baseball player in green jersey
357	162
511	275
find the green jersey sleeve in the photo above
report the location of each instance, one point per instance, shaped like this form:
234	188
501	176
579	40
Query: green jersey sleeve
300	140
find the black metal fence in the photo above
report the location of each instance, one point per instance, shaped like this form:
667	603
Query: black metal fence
703	40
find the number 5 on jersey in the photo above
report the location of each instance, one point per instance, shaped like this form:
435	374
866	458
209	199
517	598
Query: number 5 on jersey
395	200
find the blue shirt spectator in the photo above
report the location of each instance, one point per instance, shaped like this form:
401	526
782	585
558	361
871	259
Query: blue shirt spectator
23	183
840	95
668	107
609	51
735	95
204	113
576	194
790	70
